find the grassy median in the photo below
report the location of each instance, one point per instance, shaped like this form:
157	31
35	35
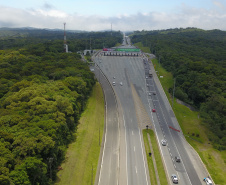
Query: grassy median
158	159
82	156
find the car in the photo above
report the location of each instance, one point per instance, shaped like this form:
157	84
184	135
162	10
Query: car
114	77
174	178
177	159
154	93
146	77
163	141
149	94
113	83
208	181
153	110
121	83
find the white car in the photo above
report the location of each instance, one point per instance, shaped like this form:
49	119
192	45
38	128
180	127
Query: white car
174	178
121	83
208	181
163	141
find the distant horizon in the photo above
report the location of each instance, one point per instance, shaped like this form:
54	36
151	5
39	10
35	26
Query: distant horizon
122	15
59	29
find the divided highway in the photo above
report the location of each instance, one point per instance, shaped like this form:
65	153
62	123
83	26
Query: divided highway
131	94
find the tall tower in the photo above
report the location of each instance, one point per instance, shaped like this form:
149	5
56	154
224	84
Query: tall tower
65	42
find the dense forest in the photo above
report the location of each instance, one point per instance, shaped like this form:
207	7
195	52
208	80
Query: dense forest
43	92
15	38
197	60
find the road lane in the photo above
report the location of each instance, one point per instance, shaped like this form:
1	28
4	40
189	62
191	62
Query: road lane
136	167
132	72
110	158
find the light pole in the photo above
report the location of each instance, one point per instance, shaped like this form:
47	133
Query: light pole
173	91
50	166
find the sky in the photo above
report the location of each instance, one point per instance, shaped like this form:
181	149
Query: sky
123	15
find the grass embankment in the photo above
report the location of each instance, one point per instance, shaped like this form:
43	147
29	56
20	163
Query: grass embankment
82	155
118	44
144	49
193	127
158	159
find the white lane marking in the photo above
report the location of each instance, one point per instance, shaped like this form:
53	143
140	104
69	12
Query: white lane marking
126	148
104	147
143	157
178	175
169	129
132	132
134	149
136	169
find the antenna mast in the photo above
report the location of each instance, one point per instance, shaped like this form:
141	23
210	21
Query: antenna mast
65	41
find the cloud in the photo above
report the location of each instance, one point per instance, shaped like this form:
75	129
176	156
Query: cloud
218	4
49	17
47	6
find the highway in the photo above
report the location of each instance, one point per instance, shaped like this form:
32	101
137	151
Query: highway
110	158
124	160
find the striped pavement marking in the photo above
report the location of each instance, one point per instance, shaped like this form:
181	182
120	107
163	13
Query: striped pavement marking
143	118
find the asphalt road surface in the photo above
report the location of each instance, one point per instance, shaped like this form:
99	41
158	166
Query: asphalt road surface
124	161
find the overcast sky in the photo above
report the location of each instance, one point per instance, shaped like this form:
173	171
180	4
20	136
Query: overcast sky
124	15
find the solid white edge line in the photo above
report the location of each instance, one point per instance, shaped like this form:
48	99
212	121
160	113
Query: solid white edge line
126	150
104	144
157	137
143	157
171	133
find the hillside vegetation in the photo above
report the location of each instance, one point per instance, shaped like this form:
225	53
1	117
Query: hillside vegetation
42	95
197	60
16	38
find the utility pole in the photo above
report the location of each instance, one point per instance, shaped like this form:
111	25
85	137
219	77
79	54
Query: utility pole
65	42
90	43
50	166
92	176
173	91
159	64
